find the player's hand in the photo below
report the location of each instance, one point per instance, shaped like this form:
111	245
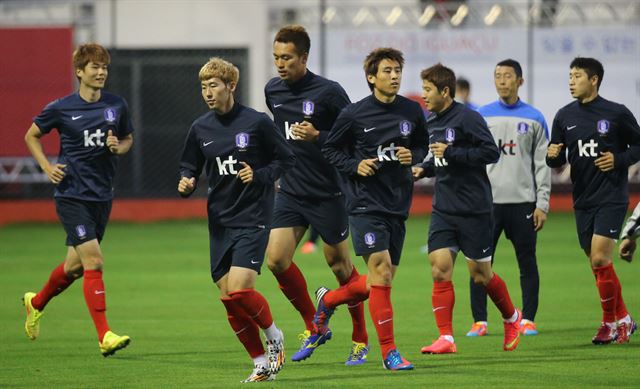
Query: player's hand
437	149
55	172
627	248
112	142
404	156
186	185
367	167
245	174
417	172
305	131
553	151
605	162
539	217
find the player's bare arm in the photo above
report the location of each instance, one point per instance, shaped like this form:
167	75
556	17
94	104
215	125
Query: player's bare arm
119	146
553	151
186	185
605	162
437	149
305	131
54	172
367	167
404	156
245	174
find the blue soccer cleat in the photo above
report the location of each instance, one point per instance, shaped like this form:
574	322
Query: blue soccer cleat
358	354
309	344
394	361
323	314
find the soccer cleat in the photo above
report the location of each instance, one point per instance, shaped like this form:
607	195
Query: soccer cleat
112	343
275	353
606	334
394	361
512	333
478	328
323	314
528	328
260	373
440	346
308	247
309	344
358	354
625	330
32	323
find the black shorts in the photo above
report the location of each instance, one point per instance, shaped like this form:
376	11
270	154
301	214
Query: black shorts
242	247
605	220
372	234
83	220
516	220
327	216
471	234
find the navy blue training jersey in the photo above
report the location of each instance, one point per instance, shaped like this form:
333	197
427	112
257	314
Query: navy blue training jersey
318	101
586	130
219	143
462	185
83	129
372	129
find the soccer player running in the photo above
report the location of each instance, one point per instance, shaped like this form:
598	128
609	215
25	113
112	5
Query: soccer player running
602	139
242	154
462	220
373	144
95	127
304	107
520	184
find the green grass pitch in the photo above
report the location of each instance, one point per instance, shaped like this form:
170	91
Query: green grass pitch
160	293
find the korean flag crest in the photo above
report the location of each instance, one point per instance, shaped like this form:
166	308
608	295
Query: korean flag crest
370	239
308	107
603	127
81	231
242	140
450	135
405	128
110	115
522	128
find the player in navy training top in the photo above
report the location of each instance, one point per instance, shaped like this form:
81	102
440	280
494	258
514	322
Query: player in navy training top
242	155
373	144
602	139
461	146
304	108
95	127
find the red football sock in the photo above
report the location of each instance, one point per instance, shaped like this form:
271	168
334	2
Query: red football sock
443	298
381	313
497	291
607	290
292	283
57	283
356	309
621	308
246	329
254	305
351	293
94	295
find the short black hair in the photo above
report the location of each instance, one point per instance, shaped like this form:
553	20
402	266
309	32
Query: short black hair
463	83
442	77
297	35
372	61
512	63
591	66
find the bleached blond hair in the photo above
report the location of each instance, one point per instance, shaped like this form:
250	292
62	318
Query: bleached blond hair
217	67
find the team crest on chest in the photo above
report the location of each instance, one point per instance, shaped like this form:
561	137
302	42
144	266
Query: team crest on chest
405	128
603	127
242	140
522	128
110	115
308	107
450	135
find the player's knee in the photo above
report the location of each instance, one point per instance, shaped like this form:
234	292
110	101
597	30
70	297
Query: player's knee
480	279
277	264
599	260
93	263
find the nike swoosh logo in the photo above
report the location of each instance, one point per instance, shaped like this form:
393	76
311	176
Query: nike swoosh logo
569	128
381	322
276	105
99	292
76	117
430	136
204	144
485	250
438	308
613	231
344	232
369	129
529	216
255	262
605	300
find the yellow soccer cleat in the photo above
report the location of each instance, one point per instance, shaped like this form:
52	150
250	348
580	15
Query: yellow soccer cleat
32	323
112	343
